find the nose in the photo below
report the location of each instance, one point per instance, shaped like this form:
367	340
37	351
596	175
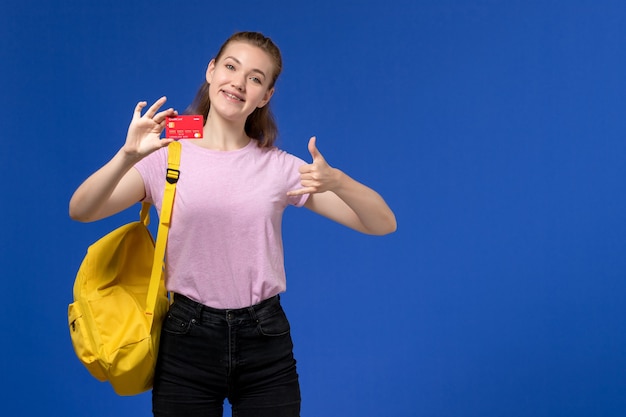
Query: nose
239	83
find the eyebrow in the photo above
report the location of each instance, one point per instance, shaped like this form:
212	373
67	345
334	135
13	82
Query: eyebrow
239	62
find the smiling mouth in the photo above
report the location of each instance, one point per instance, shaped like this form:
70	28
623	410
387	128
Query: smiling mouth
232	96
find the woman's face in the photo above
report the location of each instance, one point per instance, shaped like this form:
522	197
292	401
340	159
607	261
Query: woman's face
239	80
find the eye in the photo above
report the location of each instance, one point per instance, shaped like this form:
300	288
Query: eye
230	67
256	80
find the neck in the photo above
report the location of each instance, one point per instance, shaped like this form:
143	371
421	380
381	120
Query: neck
223	135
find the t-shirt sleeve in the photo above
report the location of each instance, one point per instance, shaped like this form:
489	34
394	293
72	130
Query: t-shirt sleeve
152	169
291	166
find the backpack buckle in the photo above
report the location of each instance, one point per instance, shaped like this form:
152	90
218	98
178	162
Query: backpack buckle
172	175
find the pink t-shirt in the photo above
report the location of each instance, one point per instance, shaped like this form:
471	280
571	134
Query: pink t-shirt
225	245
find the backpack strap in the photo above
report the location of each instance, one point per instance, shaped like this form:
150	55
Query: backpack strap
172	175
144	215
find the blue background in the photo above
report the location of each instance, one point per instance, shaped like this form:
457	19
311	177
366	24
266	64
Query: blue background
494	129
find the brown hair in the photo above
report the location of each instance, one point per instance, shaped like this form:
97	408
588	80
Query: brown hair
260	124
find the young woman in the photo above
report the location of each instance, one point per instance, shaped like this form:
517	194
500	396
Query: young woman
226	335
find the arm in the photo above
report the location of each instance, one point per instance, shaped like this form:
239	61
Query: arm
340	198
116	186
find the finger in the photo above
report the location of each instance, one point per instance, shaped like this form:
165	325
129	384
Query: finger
301	191
155	107
168	112
315	154
305	169
160	116
312	148
138	108
164	142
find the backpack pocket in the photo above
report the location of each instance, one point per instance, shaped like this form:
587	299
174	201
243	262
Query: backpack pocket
81	340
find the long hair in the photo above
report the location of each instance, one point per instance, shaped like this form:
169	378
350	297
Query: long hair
260	124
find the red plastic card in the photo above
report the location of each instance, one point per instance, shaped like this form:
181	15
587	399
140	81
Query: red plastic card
184	127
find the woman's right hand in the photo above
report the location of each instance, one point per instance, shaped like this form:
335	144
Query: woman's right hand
144	131
116	186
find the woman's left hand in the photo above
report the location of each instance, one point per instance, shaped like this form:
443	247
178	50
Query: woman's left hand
318	176
337	196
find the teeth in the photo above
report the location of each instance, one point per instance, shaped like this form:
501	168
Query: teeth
232	96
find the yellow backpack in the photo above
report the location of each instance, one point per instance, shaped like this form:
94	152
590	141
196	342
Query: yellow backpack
120	298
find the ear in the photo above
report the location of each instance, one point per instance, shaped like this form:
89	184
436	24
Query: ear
266	98
209	71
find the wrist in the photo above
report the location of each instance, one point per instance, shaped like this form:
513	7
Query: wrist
339	180
129	156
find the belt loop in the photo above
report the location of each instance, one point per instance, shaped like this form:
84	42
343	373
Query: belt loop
253	314
198	308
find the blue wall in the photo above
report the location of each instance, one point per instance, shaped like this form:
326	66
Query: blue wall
495	130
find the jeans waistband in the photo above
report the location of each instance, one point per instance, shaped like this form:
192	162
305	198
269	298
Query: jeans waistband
264	308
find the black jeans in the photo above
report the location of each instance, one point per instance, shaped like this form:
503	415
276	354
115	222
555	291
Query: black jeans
207	355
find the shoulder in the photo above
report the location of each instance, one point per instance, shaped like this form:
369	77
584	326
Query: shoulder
280	155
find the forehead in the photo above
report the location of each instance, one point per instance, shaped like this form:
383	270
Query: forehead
248	55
